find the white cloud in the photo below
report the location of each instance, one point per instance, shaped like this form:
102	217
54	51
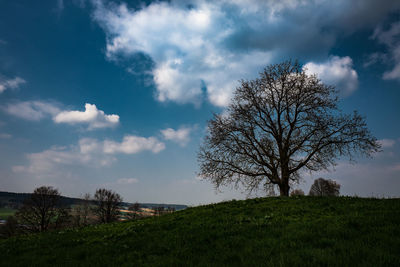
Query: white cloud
89	145
53	160
88	152
130	145
184	44
92	116
38	110
337	71
390	38
10	83
31	110
133	144
387	143
211	44
125	181
180	136
5	135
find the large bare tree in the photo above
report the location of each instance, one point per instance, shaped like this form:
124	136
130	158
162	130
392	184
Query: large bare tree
281	123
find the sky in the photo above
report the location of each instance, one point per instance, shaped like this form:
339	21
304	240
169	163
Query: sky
117	94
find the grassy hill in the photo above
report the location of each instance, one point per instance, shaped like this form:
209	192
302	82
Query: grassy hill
265	231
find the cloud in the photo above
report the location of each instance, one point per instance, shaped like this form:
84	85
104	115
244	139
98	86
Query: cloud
126	181
89	152
38	110
337	71
395	167
60	5
31	110
390	38
5	136
132	144
10	83
206	46
92	116
55	159
387	143
184	43
375	58
180	136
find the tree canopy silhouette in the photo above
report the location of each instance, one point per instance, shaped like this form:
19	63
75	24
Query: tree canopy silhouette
107	205
42	210
323	187
276	125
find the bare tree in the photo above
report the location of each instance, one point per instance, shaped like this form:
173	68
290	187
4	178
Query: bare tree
134	209
158	210
108	204
82	211
323	187
86	209
171	209
277	125
42	210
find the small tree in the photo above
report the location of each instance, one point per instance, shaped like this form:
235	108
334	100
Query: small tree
158	210
297	192
107	205
42	210
82	211
134	210
10	228
171	209
322	187
276	126
86	209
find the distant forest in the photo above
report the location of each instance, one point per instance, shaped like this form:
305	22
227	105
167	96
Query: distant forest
15	200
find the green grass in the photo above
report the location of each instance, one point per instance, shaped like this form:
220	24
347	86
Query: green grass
258	232
6	212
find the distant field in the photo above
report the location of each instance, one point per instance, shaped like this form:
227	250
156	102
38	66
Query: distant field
6	212
302	231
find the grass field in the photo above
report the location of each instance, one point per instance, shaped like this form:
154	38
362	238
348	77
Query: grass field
301	231
6	212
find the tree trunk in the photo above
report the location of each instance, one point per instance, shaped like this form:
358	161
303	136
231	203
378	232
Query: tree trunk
284	188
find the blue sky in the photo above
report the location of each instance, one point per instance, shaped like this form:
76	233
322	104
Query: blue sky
117	94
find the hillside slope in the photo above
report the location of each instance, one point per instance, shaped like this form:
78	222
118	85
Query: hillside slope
265	231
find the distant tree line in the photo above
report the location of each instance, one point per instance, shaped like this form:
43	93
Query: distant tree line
44	210
16	200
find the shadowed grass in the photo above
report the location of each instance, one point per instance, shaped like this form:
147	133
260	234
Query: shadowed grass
263	231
